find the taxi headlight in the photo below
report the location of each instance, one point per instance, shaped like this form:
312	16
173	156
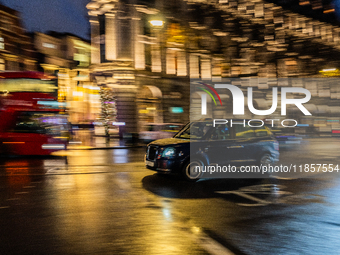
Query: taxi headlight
169	152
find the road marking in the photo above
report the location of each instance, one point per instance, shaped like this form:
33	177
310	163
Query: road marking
76	170
12	199
241	194
283	178
23	192
208	243
4	207
264	189
275	195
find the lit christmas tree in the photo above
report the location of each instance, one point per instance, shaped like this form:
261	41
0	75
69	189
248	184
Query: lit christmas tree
108	107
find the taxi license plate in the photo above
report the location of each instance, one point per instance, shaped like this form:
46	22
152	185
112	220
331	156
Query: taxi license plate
150	163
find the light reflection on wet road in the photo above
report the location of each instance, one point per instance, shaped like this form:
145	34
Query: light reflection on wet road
106	202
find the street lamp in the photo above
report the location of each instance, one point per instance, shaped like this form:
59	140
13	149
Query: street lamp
157	23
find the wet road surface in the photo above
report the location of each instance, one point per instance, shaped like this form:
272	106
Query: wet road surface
106	202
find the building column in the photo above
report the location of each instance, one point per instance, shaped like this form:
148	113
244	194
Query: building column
206	68
194	66
95	41
139	48
181	63
170	61
110	36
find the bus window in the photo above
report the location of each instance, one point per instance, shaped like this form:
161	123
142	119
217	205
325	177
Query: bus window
26	123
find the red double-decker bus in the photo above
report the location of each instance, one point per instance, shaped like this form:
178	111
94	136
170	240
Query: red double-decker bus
32	121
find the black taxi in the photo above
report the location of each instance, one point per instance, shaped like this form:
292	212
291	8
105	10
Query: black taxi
202	144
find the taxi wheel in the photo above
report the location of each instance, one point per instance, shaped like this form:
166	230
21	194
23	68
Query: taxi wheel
189	170
266	160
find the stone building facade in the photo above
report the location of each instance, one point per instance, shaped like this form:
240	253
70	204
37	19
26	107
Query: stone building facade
129	57
16	49
146	52
68	57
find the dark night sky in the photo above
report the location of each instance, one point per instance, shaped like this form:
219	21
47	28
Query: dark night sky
57	15
61	15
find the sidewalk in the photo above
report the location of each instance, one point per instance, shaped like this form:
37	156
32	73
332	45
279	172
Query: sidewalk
100	142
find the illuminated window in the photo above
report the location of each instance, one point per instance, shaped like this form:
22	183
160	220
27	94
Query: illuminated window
2	43
49	45
2	64
176	62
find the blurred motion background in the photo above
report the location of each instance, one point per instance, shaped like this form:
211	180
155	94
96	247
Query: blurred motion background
129	63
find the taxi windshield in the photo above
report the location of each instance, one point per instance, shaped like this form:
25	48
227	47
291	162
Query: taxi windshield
195	130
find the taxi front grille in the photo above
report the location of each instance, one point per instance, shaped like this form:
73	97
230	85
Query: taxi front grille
152	152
